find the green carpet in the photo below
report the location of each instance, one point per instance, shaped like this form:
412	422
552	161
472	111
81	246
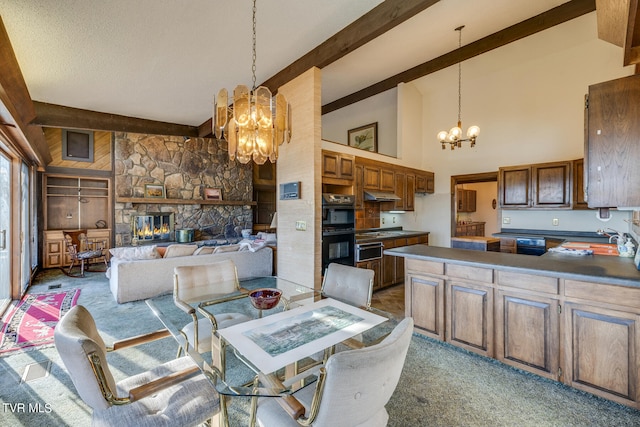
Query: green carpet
440	385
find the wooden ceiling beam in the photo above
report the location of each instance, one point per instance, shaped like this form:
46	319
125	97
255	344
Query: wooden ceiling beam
543	21
17	108
372	24
53	115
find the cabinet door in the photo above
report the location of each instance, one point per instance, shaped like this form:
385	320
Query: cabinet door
527	332
54	253
388	265
551	185
425	182
578	189
345	169
400	191
330	165
358	190
265	174
424	301
371	178
376	266
387	182
410	193
515	189
612	152
470	317
399	261
602	352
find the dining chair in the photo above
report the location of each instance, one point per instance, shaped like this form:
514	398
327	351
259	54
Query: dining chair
348	284
174	393
200	283
352	388
82	250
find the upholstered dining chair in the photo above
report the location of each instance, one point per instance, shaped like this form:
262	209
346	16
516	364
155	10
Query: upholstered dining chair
352	388
81	249
348	284
175	393
201	283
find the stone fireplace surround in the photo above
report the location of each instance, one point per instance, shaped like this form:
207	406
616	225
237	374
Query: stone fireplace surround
185	168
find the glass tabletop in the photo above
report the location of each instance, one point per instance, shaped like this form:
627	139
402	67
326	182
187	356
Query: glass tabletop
240	367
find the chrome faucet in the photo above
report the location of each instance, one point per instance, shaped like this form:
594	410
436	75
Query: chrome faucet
619	237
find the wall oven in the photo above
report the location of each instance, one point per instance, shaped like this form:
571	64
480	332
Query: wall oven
369	251
338	229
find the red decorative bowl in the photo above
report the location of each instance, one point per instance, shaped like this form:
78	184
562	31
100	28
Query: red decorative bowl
265	299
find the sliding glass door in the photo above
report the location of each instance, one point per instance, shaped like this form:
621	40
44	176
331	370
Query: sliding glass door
25	228
5	228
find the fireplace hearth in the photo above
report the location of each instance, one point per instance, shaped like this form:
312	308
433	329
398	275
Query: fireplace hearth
153	227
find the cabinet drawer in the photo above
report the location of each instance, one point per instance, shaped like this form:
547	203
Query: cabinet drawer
54	247
618	295
429	267
477	274
530	282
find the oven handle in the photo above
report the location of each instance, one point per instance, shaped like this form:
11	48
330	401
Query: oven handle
370	244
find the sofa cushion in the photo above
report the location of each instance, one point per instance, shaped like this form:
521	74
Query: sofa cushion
135	252
204	250
179	250
226	248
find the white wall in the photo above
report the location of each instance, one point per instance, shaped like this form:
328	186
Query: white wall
527	97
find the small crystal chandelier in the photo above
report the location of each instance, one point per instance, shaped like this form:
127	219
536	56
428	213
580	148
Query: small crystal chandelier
453	137
255	125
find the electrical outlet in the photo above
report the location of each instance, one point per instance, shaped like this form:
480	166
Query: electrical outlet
506	220
301	225
555	221
394	219
382	220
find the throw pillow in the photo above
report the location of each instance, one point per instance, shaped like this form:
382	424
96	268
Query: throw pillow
134	252
226	248
161	250
174	251
204	250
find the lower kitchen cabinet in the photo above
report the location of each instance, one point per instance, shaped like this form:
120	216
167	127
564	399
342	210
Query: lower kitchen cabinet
602	352
376	266
527	332
426	304
469	316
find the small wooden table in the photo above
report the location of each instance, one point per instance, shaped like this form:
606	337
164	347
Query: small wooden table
478	243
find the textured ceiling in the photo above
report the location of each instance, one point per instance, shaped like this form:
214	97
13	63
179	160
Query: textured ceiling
164	59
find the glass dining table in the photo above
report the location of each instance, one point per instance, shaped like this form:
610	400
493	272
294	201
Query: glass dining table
285	341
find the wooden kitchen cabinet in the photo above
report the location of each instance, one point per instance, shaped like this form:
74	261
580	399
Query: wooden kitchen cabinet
469	316
424	301
470	229
466	200
579	201
376	266
400	191
387	182
358	187
602	352
337	166
371	177
543	185
612	152
410	194
508	245
425	182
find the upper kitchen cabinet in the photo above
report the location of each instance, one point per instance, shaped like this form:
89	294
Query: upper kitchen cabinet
466	200
337	168
544	185
425	182
612	147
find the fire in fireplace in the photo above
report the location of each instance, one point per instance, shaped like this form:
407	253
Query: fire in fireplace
153	226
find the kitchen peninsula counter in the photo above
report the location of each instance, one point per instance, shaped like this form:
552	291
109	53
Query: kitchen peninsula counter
569	318
605	269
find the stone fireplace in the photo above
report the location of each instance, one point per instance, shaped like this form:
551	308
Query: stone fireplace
152	227
185	169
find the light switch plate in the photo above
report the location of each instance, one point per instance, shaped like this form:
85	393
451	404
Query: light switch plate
555	221
506	220
301	225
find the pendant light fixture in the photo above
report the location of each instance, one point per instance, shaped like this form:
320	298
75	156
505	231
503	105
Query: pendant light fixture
255	124
454	136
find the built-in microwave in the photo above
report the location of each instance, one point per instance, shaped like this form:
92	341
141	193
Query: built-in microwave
338	216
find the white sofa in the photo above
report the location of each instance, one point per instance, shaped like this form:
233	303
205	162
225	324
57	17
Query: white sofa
132	280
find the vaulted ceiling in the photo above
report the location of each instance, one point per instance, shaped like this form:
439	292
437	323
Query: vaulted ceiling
163	60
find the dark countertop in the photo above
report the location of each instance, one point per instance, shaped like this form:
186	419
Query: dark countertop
371	235
597	268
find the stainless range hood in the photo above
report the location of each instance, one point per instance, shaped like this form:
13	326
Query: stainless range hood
379	196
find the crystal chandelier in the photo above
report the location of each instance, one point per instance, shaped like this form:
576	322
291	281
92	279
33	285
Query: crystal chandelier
454	136
255	124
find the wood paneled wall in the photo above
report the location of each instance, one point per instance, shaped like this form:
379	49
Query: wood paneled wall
300	252
101	151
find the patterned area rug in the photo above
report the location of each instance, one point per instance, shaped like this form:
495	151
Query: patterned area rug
30	324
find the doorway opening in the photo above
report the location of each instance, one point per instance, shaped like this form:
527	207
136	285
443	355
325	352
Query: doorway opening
474	206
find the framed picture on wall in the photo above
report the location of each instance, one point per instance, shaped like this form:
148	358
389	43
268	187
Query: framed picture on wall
364	137
213	193
154	191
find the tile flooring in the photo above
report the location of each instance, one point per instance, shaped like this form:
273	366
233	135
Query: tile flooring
390	299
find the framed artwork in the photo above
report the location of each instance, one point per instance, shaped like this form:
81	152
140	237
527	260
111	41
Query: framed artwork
365	137
154	191
213	193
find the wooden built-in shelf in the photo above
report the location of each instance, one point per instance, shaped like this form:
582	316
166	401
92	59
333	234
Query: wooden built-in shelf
142	200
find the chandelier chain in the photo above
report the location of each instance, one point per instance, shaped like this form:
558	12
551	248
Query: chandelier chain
253	58
460	78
